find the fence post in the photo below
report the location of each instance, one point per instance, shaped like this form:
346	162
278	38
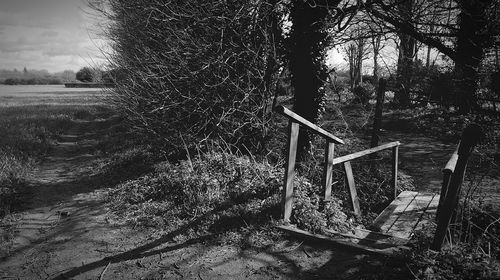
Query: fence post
293	133
327	174
470	137
377	120
395	159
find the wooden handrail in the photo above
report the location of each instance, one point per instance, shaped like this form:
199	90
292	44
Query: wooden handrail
470	137
452	162
318	130
447	172
365	152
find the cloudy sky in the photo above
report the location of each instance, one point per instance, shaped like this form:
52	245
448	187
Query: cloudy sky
47	34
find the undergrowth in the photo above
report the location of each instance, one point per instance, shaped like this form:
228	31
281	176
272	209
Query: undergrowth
212	193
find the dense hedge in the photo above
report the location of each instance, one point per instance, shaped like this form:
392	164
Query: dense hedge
192	69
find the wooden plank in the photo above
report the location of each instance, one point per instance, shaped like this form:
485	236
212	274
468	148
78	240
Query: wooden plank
318	130
371	237
287	197
364	152
327	174
395	159
429	214
408	220
390	214
347	243
351	188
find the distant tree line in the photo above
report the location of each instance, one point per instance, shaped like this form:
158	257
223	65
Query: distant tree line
35	77
97	75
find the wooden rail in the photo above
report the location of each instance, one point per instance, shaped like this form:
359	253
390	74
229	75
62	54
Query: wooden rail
470	138
316	129
447	172
365	152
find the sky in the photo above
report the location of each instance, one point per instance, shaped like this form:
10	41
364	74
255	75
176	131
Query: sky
55	35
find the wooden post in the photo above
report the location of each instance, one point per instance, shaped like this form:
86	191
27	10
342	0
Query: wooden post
351	187
470	138
327	174
395	159
377	120
293	133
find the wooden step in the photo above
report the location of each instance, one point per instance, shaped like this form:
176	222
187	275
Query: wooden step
407	213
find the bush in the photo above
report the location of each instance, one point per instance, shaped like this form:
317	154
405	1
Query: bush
85	74
363	93
311	214
216	188
193	69
461	261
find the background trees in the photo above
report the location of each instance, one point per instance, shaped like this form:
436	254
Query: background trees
86	74
461	30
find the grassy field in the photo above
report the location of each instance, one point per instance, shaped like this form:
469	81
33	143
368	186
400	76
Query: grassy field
30	124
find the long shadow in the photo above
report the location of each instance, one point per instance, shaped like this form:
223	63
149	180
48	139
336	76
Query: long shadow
144	250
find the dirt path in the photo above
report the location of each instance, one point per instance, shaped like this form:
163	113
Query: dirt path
422	157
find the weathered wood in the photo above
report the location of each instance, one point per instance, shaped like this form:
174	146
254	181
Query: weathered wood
395	160
409	219
452	162
351	188
470	137
447	172
391	251
318	130
364	152
377	120
391	213
429	214
371	238
327	171
293	134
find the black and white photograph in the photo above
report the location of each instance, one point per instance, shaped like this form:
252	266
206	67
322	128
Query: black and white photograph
258	139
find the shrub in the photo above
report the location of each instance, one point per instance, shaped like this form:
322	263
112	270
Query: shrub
363	93
193	69
85	74
311	214
217	188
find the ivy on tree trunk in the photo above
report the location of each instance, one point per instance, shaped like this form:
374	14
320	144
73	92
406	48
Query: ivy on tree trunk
306	56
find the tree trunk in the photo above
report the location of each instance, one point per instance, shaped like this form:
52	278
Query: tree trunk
471	42
405	69
307	38
376	50
406	57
